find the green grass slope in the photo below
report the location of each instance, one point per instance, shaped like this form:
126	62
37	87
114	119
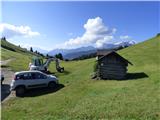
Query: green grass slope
20	61
83	98
21	57
11	47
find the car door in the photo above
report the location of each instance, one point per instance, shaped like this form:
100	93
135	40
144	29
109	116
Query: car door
27	79
39	79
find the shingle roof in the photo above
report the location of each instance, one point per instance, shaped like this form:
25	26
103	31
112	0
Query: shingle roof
104	53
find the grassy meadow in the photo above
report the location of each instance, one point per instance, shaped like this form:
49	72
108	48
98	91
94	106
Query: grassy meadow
81	98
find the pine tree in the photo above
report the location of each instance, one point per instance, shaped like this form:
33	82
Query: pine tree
3	38
31	49
59	56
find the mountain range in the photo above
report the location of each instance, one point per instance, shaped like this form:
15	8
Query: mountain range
77	52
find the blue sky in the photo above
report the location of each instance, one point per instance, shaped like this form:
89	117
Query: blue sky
50	25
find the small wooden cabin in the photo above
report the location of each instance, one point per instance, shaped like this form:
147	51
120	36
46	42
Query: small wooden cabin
111	65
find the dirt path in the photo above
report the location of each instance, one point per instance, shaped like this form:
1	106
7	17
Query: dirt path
6	61
8	75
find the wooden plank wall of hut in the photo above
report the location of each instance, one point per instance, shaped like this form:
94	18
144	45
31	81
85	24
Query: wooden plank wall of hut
112	68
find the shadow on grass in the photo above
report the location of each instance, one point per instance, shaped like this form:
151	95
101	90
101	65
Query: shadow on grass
5	91
42	91
65	72
129	76
134	76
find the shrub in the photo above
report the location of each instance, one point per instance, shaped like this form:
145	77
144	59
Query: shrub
95	67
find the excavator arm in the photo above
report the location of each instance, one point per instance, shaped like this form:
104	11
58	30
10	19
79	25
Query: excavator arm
48	61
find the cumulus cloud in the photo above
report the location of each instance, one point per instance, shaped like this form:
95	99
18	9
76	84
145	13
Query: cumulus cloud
102	42
125	37
95	33
9	31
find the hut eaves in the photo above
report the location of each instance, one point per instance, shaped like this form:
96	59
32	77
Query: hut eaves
104	53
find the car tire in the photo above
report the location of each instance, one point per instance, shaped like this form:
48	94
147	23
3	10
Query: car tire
52	85
20	91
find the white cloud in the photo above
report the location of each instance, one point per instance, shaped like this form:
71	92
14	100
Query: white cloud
102	42
125	37
96	33
9	31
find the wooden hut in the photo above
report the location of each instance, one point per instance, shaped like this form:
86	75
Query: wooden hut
111	65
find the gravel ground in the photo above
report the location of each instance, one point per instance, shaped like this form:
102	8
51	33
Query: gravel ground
8	75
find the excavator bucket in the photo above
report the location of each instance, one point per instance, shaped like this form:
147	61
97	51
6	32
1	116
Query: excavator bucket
60	69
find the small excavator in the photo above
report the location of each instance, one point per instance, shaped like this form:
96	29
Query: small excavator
37	64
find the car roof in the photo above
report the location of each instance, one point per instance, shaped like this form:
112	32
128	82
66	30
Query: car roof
33	71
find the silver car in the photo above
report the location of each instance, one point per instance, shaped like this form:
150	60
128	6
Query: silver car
31	79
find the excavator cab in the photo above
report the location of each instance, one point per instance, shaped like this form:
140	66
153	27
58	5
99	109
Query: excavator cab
36	64
37	61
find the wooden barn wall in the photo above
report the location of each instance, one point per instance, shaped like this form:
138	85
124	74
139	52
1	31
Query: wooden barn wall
112	67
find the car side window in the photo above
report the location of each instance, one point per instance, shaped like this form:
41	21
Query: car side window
40	76
30	76
33	75
27	76
19	77
43	76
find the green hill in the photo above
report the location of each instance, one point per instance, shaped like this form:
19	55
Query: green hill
83	98
5	45
21	56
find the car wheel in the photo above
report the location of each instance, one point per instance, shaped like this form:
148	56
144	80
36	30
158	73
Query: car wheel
52	85
20	90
